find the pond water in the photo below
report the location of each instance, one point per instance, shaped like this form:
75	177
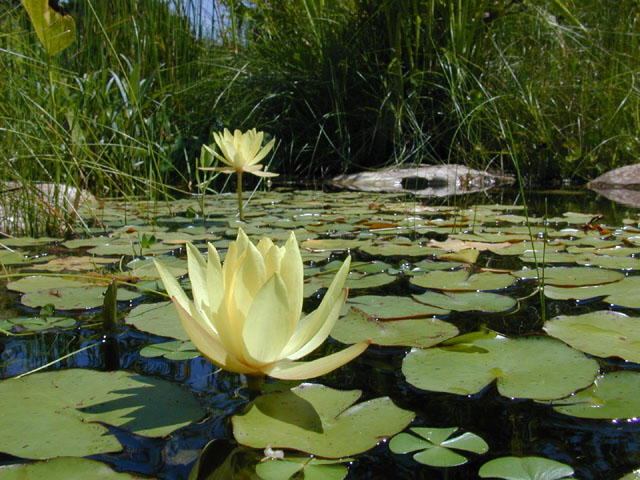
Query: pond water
467	335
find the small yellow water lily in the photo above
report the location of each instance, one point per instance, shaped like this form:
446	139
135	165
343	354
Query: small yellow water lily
241	152
245	314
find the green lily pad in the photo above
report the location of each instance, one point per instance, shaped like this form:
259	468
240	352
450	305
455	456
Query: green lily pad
391	307
391	249
319	420
73	264
551	257
635	475
436	447
618	293
176	350
468	301
613	395
358	325
312	469
528	367
463	280
573	276
71	402
73	298
606	261
62	468
38	282
525	468
36	323
157	318
604	333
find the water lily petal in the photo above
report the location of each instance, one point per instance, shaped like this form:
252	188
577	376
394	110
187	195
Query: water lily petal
215	280
286	370
198	277
292	271
265	174
263	153
265	331
215	154
208	344
171	285
315	327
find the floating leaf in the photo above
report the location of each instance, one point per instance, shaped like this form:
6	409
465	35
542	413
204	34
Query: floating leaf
157	318
72	402
572	276
468	301
36	323
62	468
423	332
463	280
436	447
73	298
319	420
73	264
389	307
613	395
618	293
312	468
176	350
525	468
604	333
529	367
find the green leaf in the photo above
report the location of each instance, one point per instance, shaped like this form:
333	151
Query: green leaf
319	420
157	318
573	276
462	280
468	301
603	334
71	403
55	30
525	468
529	367
62	468
357	326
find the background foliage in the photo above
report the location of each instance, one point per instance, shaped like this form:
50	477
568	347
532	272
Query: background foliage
343	86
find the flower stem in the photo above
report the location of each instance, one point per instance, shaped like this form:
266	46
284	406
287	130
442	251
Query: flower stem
254	385
240	195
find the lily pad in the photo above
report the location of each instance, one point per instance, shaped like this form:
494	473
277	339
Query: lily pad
73	298
573	276
62	468
468	301
463	280
620	293
525	468
72	402
391	307
436	447
36	323
613	395
528	367
358	325
73	264
157	318
603	333
319	420
312	469
176	350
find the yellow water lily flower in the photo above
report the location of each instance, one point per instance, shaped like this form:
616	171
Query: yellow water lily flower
246	314
241	152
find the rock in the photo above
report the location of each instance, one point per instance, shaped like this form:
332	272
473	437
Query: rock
423	180
621	185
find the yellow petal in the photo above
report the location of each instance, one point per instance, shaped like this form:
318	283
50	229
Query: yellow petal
286	370
208	345
263	153
215	281
197	275
264	174
315	327
292	271
171	285
266	327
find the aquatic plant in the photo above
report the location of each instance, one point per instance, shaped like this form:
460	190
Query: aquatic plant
241	152
245	314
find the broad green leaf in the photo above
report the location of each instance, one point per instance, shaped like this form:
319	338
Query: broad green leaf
357	326
37	323
618	293
312	469
468	301
463	280
572	276
62	468
391	307
603	333
525	468
71	403
73	298
613	395
176	350
55	30
157	318
319	420
529	367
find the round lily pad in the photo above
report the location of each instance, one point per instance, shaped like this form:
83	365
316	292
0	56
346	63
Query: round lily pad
63	468
36	323
573	276
73	298
435	446
319	420
528	367
358	325
613	395
176	350
463	280
468	301
525	468
391	307
157	318
72	402
603	333
312	468
617	293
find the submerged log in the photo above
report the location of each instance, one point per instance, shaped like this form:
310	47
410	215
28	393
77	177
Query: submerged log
423	180
621	185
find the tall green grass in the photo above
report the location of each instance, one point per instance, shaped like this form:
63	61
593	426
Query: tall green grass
350	85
